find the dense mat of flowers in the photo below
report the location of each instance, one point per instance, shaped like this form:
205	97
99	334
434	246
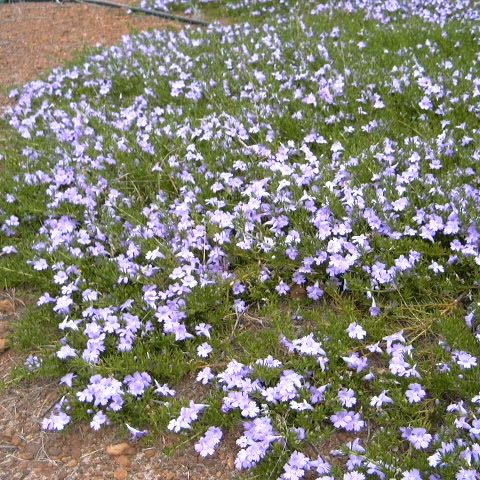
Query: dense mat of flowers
258	160
435	11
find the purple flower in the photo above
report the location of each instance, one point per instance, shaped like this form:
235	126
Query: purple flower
464	359
204	350
68	379
317	395
356	362
348	420
467	474
90	295
300	406
356	331
296	467
203	329
187	416
66	352
320	466
354	475
347	397
103	392
207	444
314	292
268	362
436	267
33	363
299	432
425	103
164	390
63	304
381	399
40	264
136	434
415	393
56	421
8	250
418	437
205	375
138	383
259	434
98	420
282	288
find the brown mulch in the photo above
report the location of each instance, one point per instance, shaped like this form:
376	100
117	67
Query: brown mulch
36	37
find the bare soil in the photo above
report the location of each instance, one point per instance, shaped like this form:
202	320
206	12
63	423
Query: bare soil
34	38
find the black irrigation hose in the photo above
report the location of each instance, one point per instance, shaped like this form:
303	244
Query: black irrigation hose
156	13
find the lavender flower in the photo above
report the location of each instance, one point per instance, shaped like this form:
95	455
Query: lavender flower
205	375
204	350
296	467
207	444
138	383
347	420
187	416
56	421
98	420
378	401
347	397
255	443
33	363
135	433
356	331
418	437
415	393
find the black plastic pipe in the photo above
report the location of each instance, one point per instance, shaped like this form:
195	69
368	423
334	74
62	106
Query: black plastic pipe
156	13
146	11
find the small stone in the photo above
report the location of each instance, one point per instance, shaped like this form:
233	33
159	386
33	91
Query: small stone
118	449
7	307
73	462
131	450
16	440
75	448
27	454
123	461
54	451
4	344
120	474
76	452
150	453
43	469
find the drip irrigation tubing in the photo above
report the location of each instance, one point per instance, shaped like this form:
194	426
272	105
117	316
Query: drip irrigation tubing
132	8
157	13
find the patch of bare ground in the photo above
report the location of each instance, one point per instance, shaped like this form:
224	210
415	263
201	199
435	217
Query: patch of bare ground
80	453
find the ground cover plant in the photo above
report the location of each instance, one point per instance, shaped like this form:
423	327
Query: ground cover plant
277	218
